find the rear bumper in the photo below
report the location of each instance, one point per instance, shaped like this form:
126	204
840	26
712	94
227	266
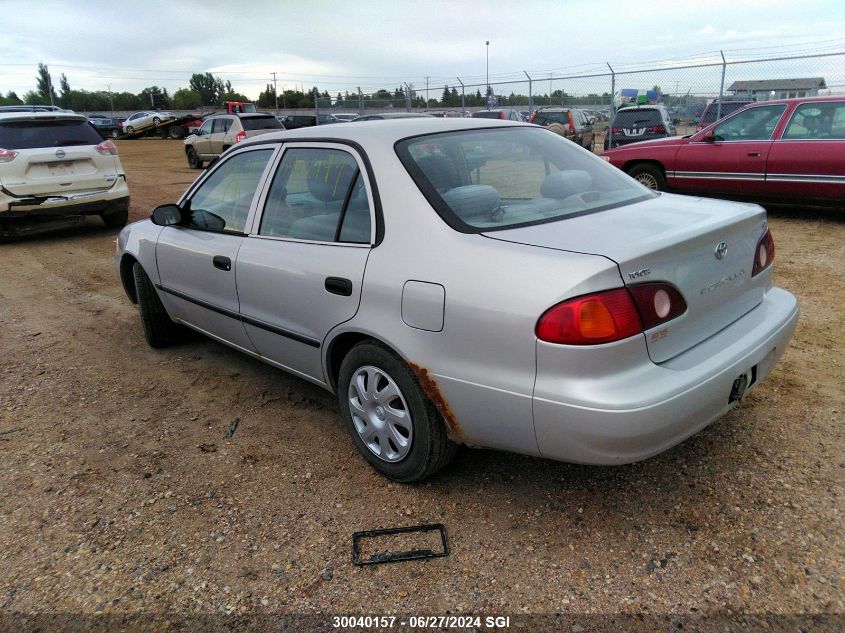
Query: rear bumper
643	408
77	203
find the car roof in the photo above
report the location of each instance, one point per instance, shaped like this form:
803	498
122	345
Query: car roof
35	116
386	131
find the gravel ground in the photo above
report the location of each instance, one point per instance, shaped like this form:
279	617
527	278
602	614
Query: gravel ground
122	495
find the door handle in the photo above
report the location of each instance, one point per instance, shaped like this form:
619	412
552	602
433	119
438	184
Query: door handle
753	153
339	286
222	262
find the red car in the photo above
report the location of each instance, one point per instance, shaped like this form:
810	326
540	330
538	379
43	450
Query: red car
788	150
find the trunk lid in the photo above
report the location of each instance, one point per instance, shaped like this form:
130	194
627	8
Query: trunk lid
671	239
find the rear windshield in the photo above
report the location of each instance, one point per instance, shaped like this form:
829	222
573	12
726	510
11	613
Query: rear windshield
261	123
728	107
494	179
632	118
486	114
50	133
547	118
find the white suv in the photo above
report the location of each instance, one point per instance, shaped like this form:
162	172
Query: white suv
55	167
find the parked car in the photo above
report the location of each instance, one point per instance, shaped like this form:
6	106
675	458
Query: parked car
56	168
32	108
444	113
639	123
142	120
345	117
519	303
393	115
503	114
219	132
108	126
712	111
570	123
296	121
789	150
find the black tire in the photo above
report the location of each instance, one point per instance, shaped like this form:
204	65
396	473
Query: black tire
159	330
194	161
116	219
115	134
156	120
176	131
649	176
129	129
161	133
431	449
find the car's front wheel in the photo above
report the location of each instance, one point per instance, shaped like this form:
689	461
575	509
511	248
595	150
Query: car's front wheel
649	176
393	424
194	161
159	330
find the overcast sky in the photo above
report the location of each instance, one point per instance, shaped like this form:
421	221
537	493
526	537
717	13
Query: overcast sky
340	45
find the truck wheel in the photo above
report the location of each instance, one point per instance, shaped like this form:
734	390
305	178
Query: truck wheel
161	133
116	219
194	161
649	176
394	426
176	131
159	330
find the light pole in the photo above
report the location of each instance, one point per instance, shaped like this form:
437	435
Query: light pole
487	96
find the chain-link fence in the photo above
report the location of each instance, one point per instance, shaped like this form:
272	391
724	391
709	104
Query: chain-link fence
685	89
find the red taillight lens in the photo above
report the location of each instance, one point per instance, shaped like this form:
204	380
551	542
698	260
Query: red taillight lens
616	130
107	148
240	136
764	254
657	129
657	303
7	155
602	317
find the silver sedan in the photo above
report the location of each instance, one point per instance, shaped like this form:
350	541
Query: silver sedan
468	282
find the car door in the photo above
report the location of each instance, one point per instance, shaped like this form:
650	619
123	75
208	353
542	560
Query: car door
202	144
197	262
301	269
729	158
808	160
217	138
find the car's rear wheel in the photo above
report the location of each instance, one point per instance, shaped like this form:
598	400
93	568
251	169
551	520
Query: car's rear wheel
176	131
649	176
116	219
393	424
159	330
129	129
156	120
194	161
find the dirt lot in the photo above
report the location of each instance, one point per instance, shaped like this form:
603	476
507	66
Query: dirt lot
122	495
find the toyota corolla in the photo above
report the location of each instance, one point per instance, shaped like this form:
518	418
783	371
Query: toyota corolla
468	282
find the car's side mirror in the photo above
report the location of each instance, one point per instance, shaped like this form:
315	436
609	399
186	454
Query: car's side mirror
167	215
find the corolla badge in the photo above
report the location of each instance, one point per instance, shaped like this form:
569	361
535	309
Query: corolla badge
60	153
721	250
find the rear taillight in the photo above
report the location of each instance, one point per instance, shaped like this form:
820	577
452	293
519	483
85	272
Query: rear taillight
616	130
240	136
531	118
107	148
657	303
7	155
764	254
602	317
571	124
605	317
657	129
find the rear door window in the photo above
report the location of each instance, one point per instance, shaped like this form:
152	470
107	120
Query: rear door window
817	121
51	133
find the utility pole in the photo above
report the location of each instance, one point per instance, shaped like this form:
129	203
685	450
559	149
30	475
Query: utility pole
487	96
111	101
426	92
275	92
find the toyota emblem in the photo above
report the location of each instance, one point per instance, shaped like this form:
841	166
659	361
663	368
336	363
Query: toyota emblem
60	153
721	250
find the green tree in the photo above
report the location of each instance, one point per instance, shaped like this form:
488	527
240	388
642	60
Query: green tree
11	98
208	86
44	85
232	96
185	99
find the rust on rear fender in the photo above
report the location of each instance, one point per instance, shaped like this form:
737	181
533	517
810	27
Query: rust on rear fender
432	391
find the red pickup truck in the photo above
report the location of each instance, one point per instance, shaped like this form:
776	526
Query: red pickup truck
791	150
